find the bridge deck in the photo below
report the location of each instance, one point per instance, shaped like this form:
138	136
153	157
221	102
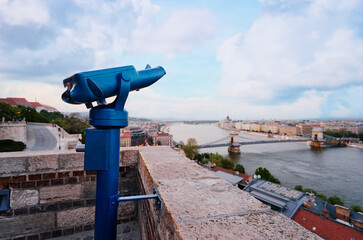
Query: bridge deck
252	142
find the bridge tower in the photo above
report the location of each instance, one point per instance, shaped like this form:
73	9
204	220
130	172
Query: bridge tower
233	143
317	134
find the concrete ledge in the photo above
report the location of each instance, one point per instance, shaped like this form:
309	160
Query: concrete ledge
198	205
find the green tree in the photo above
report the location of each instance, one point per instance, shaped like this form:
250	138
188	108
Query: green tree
321	196
9	112
335	200
191	148
72	125
299	188
216	159
51	115
356	208
227	163
265	174
310	190
31	115
239	168
8	145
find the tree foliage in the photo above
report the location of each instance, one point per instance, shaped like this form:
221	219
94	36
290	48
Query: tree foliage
11	113
239	168
227	163
72	125
191	148
356	208
265	174
310	190
335	200
339	133
299	188
8	145
321	196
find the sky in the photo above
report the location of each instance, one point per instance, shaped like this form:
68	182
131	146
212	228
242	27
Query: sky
249	59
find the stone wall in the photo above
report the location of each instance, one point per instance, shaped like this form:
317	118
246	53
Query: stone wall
199	205
13	130
51	195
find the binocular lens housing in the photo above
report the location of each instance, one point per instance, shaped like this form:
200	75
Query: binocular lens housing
66	96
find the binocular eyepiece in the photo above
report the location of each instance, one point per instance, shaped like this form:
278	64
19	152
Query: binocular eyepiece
88	87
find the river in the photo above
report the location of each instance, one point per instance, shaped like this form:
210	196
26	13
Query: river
330	171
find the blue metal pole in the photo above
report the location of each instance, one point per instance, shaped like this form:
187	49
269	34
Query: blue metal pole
107	191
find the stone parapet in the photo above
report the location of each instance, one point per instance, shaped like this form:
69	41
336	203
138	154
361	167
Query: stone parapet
198	205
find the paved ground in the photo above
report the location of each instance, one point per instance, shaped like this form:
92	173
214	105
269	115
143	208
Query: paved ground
125	231
40	138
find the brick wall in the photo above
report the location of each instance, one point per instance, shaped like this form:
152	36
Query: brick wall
51	195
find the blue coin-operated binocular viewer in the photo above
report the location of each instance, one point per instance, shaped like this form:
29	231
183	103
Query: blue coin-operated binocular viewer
102	148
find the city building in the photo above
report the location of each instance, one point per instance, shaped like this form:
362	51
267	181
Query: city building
289	130
226	123
243	181
161	138
256	127
270	129
138	137
304	129
125	139
330	221
23	102
326	220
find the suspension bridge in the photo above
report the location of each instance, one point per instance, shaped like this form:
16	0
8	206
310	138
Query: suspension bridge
233	142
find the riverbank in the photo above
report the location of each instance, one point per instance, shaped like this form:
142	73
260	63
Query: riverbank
356	145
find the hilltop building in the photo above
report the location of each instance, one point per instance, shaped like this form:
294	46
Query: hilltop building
23	102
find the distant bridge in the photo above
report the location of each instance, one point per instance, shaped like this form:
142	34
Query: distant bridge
251	142
233	142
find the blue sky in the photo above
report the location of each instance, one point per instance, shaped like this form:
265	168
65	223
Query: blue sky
267	59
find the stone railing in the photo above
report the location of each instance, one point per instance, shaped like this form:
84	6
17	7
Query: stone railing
51	195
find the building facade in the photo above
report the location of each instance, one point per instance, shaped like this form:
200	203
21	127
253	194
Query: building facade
164	139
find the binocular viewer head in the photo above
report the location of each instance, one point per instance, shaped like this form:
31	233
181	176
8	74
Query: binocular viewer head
88	87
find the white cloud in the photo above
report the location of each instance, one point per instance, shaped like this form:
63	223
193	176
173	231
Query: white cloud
182	31
341	112
21	12
292	51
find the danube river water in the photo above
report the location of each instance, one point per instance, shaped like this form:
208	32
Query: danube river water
330	171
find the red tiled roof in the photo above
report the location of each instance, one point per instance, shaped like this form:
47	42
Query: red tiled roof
25	103
21	101
8	101
126	135
163	134
325	228
36	104
48	107
244	176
